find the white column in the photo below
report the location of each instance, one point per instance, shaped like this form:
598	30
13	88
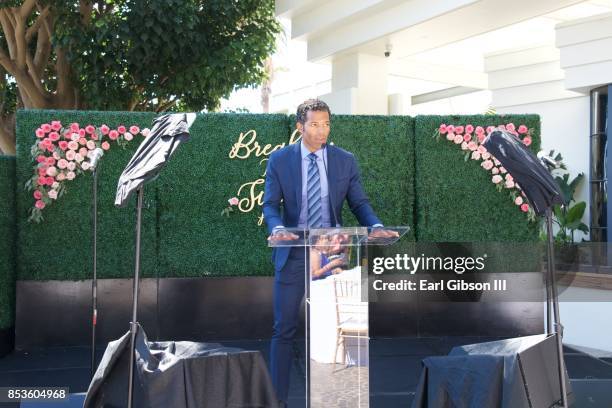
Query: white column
359	85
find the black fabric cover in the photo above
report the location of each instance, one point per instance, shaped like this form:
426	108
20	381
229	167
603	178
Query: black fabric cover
492	374
168	132
181	374
534	179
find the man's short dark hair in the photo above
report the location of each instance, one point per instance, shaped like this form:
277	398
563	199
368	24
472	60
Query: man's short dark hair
311	105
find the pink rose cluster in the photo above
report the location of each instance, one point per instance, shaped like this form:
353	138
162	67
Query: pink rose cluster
470	139
61	152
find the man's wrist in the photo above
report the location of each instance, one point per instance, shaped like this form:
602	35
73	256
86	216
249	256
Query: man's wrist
277	229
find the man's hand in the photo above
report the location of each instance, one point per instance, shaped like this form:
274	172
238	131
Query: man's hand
282	235
382	233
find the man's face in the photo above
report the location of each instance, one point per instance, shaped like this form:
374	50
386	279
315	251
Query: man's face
315	129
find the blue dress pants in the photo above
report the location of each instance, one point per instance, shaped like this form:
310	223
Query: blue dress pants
288	294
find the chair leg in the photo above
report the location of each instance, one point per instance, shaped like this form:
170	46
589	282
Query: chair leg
336	349
343	351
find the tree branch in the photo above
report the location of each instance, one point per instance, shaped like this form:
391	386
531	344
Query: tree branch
8	29
43	51
35	27
20	40
26	9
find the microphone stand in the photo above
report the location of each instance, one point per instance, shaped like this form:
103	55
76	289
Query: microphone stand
94	282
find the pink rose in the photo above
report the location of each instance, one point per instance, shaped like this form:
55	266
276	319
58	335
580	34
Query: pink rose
54	136
40	133
518	200
486	156
85	165
233	201
509	183
121	129
481	137
41	146
490	129
497	163
482	149
469	129
74	127
62	164
40	204
525	207
50	180
53	194
495	170
510	127
467	137
71	166
464	146
70	154
70	175
458	139
134	130
496	179
46	127
487	164
56	125
61	177
502	127
522	129
509	177
502	170
90	129
458	129
450	136
42	171
527	141
82	133
75	137
41	159
72	145
56	156
480	130
83	151
82	141
63	145
113	134
78	157
450	128
52	171
475	155
41	181
128	136
442	129
104	129
472	146
50	161
47	142
91	145
105	145
55	185
37	194
50	148
94	137
145	132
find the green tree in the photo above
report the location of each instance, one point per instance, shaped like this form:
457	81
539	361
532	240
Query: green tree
155	55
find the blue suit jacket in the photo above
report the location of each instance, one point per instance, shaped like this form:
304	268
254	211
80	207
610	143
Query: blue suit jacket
284	182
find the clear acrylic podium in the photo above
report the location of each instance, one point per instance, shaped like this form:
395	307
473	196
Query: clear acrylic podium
337	330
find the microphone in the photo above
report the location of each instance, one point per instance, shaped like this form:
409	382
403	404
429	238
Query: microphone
331	202
95	156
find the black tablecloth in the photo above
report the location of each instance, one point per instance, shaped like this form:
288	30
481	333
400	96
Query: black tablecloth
491	374
181	374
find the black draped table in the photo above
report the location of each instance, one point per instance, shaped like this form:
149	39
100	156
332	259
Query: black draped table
181	374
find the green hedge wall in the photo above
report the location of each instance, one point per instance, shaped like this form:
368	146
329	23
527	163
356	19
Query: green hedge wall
60	246
195	239
7	243
456	200
411	180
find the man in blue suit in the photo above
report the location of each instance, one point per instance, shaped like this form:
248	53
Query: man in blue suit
311	179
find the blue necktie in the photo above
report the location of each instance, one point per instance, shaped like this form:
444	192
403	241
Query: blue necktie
313	187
